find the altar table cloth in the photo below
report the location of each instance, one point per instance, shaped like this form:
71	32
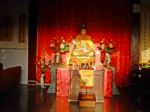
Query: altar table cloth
62	81
108	83
63	78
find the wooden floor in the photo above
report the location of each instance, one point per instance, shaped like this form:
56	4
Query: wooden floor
34	99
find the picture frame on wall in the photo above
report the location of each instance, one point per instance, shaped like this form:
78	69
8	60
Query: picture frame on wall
13	31
6	28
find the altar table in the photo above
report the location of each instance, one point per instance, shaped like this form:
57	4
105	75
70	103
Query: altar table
97	89
63	81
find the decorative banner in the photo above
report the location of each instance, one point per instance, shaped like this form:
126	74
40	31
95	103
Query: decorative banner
86	78
145	34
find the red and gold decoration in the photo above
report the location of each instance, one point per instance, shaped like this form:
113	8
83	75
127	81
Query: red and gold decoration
86	78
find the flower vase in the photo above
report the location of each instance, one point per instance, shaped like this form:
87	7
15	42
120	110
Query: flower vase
108	58
57	58
42	81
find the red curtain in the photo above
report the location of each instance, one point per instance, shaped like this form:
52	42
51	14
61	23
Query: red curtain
105	19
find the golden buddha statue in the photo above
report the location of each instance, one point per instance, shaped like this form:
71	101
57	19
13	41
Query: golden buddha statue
84	48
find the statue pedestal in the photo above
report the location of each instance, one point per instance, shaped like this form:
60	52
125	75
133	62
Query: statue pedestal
52	88
87	99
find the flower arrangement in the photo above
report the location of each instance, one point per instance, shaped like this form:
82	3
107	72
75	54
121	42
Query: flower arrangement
54	46
64	47
107	48
44	64
60	47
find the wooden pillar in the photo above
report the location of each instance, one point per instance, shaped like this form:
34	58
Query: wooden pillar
32	41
